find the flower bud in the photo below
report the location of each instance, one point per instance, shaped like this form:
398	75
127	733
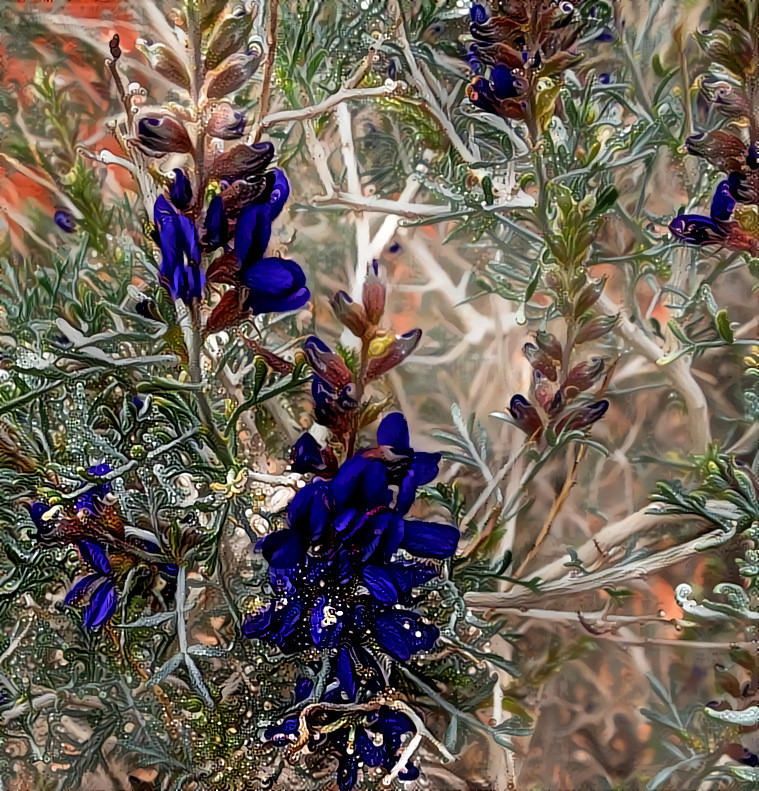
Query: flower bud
584	416
395	353
373	295
113	46
242	161
550	399
227	312
721	149
166	63
595	328
159	135
231	75
549	344
582	376
225	122
349	313
65	220
229	37
525	415
241	193
588	297
328	365
540	361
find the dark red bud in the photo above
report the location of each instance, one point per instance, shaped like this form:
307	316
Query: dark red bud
588	297
328	365
595	328
395	354
350	313
113	45
583	417
525	415
582	376
540	361
549	344
373	295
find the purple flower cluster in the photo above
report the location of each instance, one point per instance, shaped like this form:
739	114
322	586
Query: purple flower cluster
237	223
741	162
343	575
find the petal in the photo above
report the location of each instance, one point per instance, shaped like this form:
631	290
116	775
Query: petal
380	584
696	229
723	202
259	624
424	467
401	633
180	190
393	431
502	81
309	511
252	234
367	751
280	192
216	224
306	455
345	670
101	607
276	284
430	539
283	549
95	556
347	772
364	480
408	575
263	303
78	588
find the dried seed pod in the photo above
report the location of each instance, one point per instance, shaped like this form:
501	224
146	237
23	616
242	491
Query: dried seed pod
242	161
113	46
231	75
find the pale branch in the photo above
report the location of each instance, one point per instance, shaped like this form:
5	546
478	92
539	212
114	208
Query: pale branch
573	584
341	95
678	372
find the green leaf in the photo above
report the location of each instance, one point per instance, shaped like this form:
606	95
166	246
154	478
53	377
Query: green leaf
723	327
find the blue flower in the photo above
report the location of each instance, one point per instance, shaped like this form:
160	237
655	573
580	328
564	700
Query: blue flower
366	739
478	13
180	190
274	284
347	564
99	585
216	224
180	268
65	220
307	455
